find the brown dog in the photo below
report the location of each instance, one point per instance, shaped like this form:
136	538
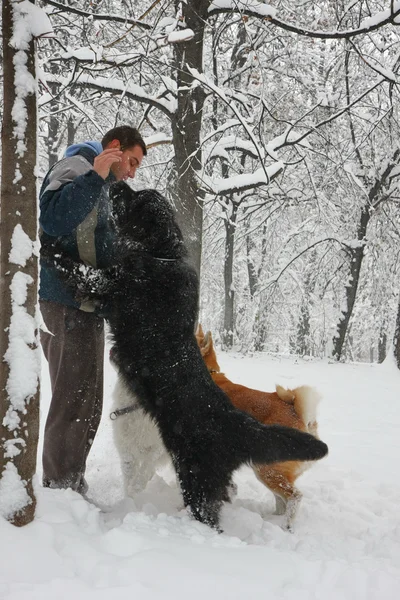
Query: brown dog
293	408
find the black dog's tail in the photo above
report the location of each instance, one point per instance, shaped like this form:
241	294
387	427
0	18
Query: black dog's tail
258	443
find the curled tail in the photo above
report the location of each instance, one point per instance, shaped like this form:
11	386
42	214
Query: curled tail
305	400
265	444
305	404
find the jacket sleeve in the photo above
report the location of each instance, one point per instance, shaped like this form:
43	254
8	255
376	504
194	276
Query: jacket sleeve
71	192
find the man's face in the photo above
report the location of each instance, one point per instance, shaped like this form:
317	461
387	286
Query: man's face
131	159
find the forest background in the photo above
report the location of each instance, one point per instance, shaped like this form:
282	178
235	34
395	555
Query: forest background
274	130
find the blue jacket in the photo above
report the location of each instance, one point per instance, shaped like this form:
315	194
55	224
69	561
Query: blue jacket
74	208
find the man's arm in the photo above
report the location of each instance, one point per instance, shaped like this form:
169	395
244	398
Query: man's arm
70	195
72	190
85	282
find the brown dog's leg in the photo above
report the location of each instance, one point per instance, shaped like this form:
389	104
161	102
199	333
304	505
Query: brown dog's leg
280	480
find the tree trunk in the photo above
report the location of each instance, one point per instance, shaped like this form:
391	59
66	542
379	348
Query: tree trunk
251	269
54	128
357	256
382	345
238	59
375	196
396	339
253	273
55	120
20	358
186	129
302	344
229	321
54	131
260	328
71	131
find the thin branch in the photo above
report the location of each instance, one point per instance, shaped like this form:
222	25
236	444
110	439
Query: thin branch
328	239
339	113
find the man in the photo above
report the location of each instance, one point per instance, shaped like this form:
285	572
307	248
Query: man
74	208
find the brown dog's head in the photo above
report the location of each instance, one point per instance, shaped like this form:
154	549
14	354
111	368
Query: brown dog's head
206	346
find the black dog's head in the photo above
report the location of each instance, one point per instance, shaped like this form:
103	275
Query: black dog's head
147	219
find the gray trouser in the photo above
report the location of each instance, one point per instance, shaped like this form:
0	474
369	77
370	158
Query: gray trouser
75	353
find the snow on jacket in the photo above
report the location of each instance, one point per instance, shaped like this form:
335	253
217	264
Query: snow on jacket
74	208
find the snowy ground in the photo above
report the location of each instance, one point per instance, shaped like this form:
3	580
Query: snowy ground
346	544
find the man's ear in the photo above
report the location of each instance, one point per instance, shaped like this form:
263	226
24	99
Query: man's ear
114	144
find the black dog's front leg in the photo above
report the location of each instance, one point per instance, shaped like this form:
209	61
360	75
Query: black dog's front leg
85	282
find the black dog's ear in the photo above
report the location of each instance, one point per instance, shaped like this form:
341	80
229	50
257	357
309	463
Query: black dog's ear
121	196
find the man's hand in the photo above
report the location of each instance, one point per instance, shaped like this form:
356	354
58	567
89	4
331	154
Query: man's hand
103	161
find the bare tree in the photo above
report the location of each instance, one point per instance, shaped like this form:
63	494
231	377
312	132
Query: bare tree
20	368
236	74
153	68
396	339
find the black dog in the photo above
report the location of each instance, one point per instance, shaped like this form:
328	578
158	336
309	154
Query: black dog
150	300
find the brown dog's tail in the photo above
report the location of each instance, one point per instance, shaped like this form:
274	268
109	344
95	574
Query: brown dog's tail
305	400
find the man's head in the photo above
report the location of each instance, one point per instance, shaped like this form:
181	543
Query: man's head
130	142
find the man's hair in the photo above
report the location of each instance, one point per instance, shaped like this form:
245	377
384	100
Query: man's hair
127	137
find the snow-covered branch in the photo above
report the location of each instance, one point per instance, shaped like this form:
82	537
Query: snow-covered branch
233	142
157	139
254	8
375	66
114	86
204	80
97	16
242	182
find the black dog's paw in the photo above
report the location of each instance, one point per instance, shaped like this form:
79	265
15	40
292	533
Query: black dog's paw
49	251
80	293
72	273
54	254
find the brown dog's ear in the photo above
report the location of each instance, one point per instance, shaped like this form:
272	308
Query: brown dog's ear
199	332
206	344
